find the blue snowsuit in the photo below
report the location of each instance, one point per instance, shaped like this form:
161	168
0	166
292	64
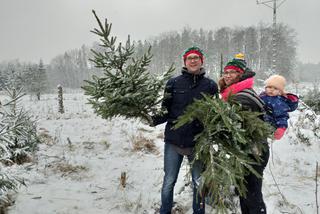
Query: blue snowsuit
278	108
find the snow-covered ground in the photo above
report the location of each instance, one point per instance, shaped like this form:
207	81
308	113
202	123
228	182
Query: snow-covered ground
78	170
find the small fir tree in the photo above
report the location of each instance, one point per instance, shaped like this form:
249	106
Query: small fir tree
7	184
231	136
39	80
312	99
18	138
127	88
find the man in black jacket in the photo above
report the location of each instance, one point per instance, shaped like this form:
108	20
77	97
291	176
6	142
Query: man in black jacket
183	89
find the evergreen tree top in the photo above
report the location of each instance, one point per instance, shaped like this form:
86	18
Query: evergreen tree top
126	88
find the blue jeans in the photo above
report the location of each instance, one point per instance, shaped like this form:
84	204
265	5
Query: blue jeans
172	164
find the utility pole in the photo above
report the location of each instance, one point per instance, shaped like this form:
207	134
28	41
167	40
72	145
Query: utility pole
274	7
221	65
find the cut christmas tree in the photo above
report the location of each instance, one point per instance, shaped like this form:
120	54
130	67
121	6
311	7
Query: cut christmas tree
229	146
126	87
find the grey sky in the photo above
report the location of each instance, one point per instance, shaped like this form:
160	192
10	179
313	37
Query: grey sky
34	29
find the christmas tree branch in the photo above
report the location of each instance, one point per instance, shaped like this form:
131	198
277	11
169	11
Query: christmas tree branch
229	145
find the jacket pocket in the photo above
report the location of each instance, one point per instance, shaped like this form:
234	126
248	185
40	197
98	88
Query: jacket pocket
179	96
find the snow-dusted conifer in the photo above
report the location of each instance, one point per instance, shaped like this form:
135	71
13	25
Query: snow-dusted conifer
312	99
17	130
127	88
7	183
38	80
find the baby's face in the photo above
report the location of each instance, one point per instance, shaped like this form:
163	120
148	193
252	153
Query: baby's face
272	91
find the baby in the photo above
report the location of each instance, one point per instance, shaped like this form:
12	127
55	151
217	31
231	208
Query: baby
278	104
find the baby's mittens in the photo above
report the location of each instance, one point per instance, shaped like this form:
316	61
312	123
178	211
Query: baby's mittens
279	133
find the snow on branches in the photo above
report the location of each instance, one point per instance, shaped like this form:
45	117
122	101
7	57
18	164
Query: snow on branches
126	88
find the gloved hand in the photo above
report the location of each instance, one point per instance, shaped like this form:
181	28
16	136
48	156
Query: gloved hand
279	133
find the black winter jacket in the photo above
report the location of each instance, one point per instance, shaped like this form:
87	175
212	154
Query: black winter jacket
248	103
182	91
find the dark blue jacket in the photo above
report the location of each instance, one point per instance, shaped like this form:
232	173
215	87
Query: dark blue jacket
182	91
278	108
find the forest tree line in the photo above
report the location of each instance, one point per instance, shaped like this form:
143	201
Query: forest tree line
72	67
224	43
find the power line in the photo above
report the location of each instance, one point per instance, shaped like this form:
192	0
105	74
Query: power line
274	6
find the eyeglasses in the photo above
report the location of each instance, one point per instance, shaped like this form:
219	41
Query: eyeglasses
226	73
195	58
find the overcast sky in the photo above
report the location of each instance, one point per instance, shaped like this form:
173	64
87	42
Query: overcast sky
34	29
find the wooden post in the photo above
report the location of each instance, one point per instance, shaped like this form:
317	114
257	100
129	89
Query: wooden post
60	99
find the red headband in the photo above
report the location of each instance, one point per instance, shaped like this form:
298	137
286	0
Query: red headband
234	68
194	52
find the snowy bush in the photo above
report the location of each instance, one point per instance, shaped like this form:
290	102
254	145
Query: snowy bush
17	131
7	183
307	127
312	99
